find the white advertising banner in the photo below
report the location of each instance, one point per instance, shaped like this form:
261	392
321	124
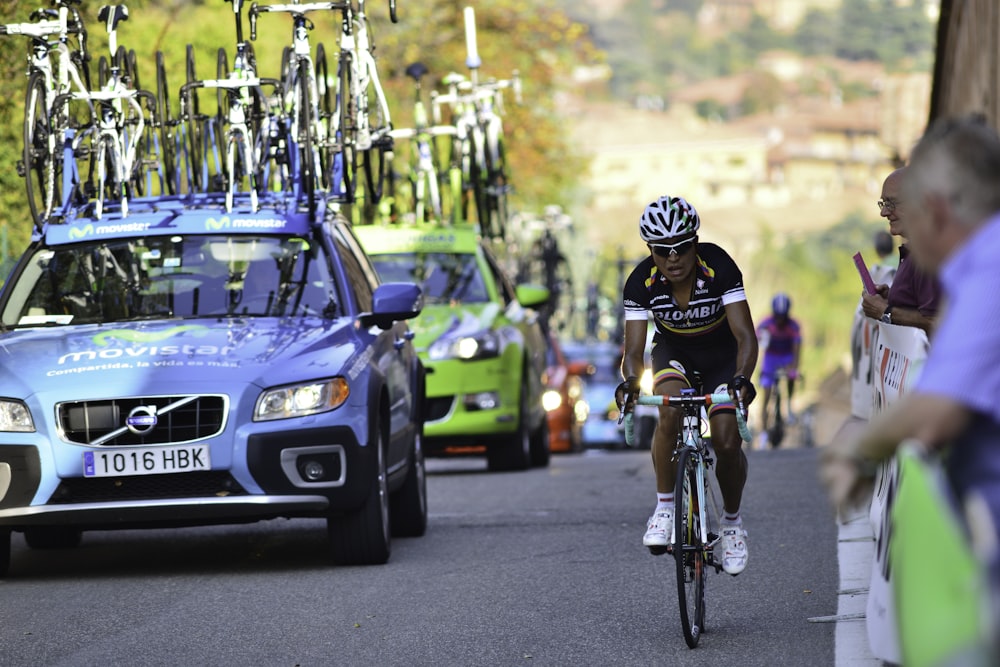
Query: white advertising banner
896	356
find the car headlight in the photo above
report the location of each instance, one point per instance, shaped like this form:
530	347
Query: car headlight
551	400
481	345
301	399
15	416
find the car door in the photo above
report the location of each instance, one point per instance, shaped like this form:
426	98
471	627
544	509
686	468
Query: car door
393	353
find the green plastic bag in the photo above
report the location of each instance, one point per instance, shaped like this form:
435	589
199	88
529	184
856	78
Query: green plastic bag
940	587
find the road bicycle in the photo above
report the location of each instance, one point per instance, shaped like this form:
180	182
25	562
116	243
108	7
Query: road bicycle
303	133
57	63
775	421
361	124
479	147
696	508
242	116
424	176
120	121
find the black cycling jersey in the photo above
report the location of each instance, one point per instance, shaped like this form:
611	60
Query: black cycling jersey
703	324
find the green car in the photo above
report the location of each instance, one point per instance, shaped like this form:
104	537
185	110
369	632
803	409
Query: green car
479	338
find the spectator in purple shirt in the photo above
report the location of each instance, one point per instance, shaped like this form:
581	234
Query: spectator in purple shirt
912	299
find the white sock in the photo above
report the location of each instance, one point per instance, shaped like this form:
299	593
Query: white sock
732	519
664	502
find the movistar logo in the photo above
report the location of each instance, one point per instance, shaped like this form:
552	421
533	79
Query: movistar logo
212	224
81	232
132	336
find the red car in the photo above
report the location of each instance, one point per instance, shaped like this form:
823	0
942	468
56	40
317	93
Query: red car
563	390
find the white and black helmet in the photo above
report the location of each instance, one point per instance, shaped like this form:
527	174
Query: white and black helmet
668	218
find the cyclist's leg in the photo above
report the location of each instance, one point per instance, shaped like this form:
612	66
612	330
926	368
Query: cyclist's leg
768	370
731	467
669	378
717	369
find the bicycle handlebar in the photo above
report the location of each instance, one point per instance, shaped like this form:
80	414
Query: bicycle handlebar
719	398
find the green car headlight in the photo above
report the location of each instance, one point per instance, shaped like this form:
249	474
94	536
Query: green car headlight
481	345
301	399
15	416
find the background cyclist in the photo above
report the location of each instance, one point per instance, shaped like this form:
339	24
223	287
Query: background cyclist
702	325
780	338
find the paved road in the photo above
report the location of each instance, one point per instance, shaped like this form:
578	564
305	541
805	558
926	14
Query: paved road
544	567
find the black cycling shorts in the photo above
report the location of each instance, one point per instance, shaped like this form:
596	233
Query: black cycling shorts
716	366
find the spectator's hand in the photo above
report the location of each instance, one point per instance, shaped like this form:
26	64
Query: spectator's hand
873	305
848	479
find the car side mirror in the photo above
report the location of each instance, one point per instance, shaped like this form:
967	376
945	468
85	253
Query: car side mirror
532	296
392	302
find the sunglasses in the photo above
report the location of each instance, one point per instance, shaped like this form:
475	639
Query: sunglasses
672	249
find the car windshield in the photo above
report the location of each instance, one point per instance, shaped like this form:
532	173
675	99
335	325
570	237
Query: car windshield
445	277
170	276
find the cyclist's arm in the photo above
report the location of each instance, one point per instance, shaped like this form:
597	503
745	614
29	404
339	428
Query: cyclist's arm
741	324
633	361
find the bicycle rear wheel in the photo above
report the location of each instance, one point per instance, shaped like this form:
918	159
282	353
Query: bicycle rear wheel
689	549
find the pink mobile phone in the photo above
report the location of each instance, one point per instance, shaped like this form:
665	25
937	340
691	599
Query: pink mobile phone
866	276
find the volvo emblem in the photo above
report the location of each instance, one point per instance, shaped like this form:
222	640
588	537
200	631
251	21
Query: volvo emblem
142	419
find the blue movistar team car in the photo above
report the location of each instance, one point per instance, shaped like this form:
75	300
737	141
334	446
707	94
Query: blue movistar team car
184	365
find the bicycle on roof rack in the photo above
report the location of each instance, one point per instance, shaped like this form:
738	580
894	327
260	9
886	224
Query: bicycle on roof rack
424	177
361	123
55	66
479	169
112	138
302	136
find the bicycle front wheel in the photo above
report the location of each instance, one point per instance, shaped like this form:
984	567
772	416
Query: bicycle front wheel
689	548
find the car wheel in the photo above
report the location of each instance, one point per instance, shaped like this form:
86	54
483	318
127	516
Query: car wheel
53	537
408	505
4	551
362	537
541	451
502	454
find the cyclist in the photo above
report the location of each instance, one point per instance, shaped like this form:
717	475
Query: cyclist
702	326
780	338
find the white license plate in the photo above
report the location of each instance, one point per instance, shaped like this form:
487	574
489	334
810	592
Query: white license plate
118	462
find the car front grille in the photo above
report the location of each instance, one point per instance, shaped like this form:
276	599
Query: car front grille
201	484
178	419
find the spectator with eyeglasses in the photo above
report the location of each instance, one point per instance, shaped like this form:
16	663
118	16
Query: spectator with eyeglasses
703	328
913	297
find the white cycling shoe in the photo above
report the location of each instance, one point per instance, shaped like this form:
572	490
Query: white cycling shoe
734	548
659	532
